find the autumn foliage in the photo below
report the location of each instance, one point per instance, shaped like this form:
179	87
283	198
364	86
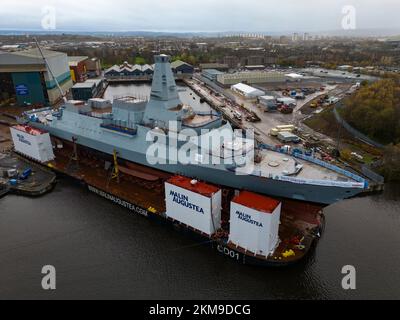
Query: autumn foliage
375	111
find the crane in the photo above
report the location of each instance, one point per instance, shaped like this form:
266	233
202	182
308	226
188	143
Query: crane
50	71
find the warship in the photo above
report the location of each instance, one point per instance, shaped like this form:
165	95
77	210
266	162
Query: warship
130	127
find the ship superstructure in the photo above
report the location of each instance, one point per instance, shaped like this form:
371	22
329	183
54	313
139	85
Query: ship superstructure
132	127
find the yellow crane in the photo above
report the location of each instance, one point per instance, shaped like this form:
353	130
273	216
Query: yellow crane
115	170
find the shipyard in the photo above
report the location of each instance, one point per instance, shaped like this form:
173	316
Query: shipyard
102	169
199	165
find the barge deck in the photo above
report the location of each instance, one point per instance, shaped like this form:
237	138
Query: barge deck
301	223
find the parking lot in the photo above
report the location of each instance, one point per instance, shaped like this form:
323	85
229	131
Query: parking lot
235	104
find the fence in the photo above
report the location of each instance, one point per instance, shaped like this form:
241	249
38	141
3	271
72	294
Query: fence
360	182
372	175
353	131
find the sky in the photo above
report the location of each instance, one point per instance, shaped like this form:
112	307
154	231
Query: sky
197	15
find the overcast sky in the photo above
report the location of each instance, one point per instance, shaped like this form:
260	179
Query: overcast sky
198	15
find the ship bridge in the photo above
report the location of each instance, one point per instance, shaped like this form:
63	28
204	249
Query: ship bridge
165	105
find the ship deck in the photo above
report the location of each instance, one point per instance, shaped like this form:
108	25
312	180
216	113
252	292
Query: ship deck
273	163
282	164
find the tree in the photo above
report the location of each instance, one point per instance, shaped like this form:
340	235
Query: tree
375	110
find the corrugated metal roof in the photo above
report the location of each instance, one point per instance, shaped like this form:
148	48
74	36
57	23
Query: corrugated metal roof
257	202
8	59
179	63
247	89
35	53
27	57
74	60
147	67
130	68
84	85
213	71
113	68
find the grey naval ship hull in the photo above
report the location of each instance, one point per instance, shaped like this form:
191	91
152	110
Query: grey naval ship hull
323	195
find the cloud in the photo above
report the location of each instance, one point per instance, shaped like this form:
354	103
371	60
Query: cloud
205	15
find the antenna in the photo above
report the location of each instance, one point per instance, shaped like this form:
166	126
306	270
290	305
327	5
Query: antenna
50	71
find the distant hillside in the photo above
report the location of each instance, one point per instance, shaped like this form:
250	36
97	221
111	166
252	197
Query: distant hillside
139	33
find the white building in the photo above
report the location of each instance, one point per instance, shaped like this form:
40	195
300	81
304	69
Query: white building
345	67
251	77
294	76
247	91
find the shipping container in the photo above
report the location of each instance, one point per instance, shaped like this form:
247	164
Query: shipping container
254	223
33	143
193	203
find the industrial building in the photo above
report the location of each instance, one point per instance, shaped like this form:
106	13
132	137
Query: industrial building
294	76
247	91
253	60
87	90
345	67
77	67
269	102
229	79
217	66
93	67
127	71
25	76
255	67
211	74
231	61
182	69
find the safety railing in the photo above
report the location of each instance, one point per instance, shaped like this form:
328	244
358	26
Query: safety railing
359	181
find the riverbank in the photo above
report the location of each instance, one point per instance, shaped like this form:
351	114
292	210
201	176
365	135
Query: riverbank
355	152
38	182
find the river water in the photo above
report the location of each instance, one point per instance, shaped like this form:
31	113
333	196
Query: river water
101	250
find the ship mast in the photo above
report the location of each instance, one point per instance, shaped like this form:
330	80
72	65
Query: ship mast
50	71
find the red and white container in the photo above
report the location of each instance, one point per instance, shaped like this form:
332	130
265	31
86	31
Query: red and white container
193	203
33	143
254	223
